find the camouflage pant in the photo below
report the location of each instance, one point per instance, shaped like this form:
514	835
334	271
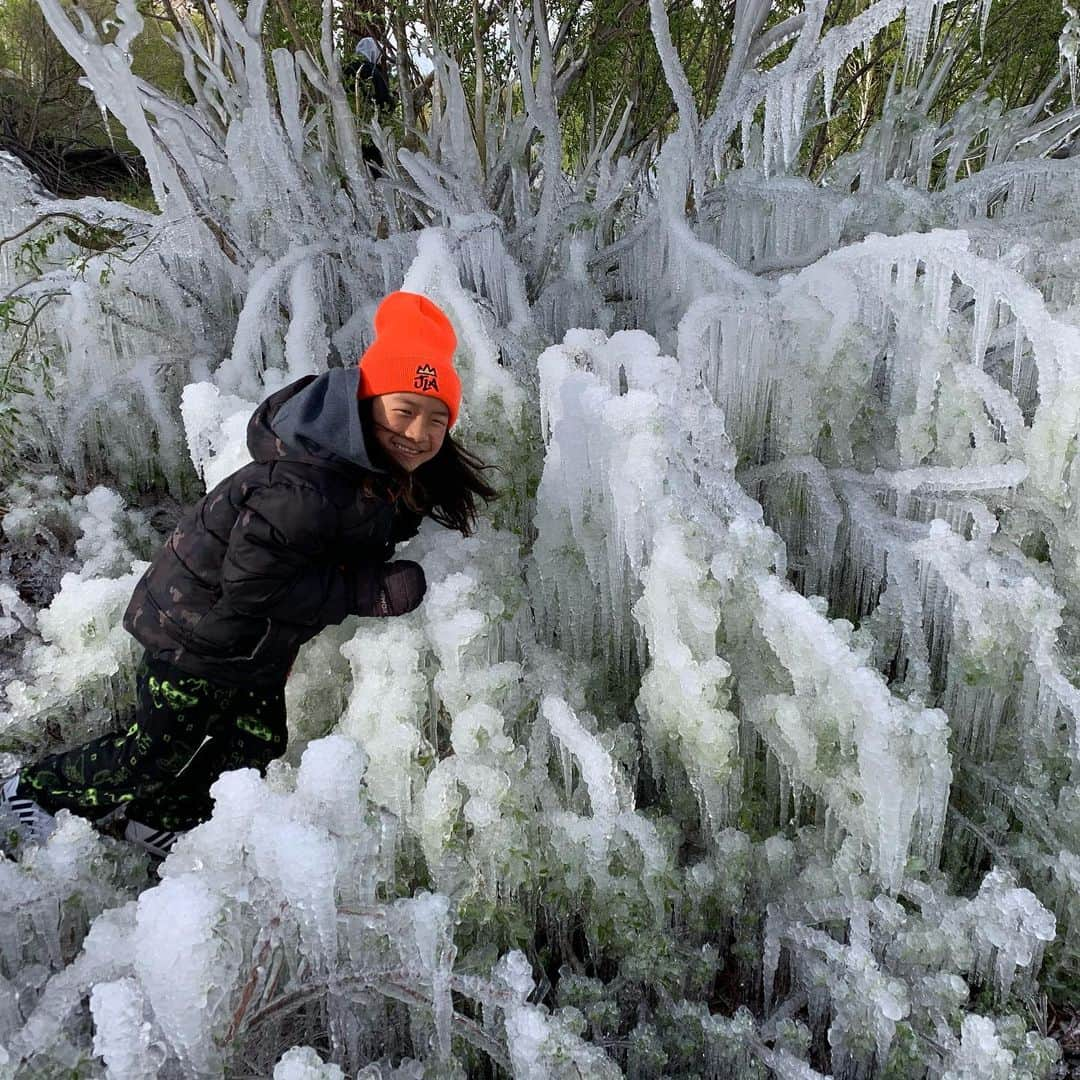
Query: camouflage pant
186	732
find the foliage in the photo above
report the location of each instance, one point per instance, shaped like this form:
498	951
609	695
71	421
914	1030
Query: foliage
606	60
78	246
1011	62
52	121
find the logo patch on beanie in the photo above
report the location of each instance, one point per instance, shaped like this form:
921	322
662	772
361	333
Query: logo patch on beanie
427	379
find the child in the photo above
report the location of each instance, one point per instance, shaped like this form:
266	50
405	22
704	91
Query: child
345	466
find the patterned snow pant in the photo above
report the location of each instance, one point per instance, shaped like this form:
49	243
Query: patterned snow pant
187	731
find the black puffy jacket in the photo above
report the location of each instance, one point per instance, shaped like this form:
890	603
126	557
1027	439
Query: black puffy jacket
287	545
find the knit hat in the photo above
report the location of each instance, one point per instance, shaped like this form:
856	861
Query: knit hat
413	352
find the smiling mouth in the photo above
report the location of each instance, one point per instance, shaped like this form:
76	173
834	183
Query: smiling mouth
403	449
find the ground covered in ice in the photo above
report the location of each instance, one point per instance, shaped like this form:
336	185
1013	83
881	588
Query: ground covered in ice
742	738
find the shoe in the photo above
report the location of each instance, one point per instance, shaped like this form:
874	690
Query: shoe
33	824
155	842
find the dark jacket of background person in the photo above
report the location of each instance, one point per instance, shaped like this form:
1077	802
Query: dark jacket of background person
364	66
285	546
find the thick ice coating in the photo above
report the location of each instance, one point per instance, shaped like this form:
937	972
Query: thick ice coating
742	737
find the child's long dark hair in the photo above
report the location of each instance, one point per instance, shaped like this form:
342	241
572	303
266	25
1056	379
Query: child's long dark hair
447	488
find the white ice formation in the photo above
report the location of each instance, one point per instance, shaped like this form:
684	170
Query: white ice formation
742	737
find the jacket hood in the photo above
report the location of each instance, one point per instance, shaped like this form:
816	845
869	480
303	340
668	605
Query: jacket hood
369	49
315	419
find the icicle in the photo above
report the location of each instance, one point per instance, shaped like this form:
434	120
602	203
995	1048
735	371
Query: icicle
984	18
1069	43
831	63
746	127
919	17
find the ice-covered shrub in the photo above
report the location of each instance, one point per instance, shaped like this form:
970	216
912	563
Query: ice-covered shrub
768	699
75	671
49	899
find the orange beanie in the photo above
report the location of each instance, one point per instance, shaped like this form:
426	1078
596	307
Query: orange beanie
413	352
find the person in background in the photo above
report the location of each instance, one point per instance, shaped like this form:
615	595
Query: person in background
369	74
345	466
366	76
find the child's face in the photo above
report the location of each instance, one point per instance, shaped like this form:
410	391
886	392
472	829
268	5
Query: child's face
409	427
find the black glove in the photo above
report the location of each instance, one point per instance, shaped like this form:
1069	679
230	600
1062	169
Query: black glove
401	589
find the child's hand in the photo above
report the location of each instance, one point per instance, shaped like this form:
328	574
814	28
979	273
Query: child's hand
402	588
